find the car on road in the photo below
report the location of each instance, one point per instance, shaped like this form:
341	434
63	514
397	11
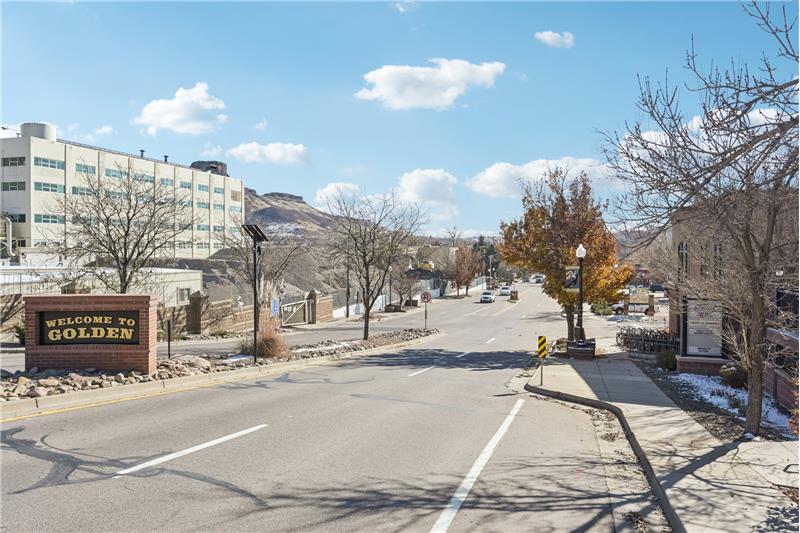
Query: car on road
537	278
487	297
505	290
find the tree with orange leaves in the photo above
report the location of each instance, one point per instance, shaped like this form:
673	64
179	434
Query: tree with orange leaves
561	213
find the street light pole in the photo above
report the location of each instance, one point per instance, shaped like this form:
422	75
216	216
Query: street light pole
580	252
258	237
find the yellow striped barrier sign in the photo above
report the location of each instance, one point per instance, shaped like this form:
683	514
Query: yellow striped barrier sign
542	346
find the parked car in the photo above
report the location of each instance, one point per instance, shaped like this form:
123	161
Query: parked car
657	290
505	290
537	278
619	308
487	297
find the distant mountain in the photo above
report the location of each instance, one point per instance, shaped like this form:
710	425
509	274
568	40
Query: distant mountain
285	213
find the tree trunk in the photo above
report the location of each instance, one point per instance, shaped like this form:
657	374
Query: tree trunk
755	391
366	320
570	312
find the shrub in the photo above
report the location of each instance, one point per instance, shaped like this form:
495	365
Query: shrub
733	376
19	333
221	333
270	344
667	360
561	344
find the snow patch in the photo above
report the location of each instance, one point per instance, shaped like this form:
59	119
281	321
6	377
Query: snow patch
712	390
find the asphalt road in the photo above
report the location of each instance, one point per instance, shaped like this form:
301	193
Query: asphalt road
428	438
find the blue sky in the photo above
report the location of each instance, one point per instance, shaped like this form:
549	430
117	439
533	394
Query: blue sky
278	90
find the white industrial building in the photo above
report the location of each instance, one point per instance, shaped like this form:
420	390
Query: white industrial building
36	166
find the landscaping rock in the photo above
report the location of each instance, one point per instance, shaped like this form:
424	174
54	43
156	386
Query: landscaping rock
37	392
49	382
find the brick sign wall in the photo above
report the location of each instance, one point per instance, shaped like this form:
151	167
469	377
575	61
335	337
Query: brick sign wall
107	332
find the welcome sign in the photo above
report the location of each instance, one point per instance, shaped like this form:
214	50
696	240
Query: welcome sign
89	327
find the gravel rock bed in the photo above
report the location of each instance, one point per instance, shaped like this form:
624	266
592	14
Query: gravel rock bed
37	383
720	423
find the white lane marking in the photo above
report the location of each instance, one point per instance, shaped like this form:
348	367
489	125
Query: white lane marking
449	512
490	340
476	311
419	372
462	355
187	451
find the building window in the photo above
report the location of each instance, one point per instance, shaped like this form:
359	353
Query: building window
202	188
85	169
167	182
202	227
116	173
183	296
81	191
13	185
19	243
683	261
117	194
144	177
219	207
48	163
19	218
236	209
203	205
202	245
219	245
183	245
219	229
233	229
48	187
236	196
185	203
14	161
717	260
186	185
219	190
48	219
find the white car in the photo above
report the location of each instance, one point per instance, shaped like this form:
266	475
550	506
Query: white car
487	297
505	290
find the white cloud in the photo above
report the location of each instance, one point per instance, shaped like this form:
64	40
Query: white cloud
403	7
435	87
280	153
433	188
211	150
553	39
192	111
102	131
503	180
8	131
333	190
261	125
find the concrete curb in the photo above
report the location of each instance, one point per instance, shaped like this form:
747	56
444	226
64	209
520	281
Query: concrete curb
37	406
669	512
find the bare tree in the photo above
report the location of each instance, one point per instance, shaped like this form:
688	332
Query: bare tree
403	279
732	171
114	228
280	253
369	234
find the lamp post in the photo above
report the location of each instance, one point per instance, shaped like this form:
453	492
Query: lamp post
258	237
580	253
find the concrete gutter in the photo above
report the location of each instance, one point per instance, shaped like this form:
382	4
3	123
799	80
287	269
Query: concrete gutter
669	512
30	407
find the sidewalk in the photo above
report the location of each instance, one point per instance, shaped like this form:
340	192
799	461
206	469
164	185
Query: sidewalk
710	485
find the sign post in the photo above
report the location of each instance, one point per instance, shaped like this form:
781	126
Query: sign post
542	351
426	297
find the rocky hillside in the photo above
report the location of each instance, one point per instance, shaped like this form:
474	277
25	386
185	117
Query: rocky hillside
285	213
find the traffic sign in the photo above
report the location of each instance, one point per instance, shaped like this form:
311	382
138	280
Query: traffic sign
426	297
542	346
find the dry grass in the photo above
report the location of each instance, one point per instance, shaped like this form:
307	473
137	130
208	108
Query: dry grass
270	344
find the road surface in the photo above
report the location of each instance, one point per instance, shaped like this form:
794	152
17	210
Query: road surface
428	438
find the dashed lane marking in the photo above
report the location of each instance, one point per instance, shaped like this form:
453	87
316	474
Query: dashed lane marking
187	451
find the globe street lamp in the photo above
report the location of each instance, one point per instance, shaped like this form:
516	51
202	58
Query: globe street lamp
580	253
